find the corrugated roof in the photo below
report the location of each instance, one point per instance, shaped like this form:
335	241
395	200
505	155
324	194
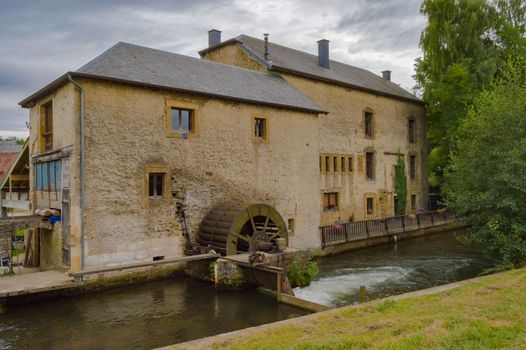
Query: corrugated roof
284	58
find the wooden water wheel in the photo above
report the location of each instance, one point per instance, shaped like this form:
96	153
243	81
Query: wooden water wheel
228	227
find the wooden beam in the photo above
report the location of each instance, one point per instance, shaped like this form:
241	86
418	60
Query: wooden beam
80	274
16	177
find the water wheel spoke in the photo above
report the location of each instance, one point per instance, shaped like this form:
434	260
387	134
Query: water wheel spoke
251	220
275	235
266	221
241	237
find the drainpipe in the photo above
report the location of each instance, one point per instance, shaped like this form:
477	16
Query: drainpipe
82	193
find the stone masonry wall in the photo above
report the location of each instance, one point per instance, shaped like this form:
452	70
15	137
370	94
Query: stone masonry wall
125	135
342	134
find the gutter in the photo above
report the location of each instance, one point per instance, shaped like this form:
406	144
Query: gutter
82	175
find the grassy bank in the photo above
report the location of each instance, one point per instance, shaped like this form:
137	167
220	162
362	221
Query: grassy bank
487	313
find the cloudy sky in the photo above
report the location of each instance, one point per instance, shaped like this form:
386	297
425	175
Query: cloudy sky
40	40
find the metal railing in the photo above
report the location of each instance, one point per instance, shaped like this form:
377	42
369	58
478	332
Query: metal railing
359	230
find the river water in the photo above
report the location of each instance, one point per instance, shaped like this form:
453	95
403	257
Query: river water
167	312
392	269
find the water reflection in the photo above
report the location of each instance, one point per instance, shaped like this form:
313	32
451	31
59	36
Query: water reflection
138	317
393	269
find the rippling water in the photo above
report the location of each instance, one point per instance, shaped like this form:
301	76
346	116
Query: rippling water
393	269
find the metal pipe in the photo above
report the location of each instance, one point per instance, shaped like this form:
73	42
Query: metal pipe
266	54
82	179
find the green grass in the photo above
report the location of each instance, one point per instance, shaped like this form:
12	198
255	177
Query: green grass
488	313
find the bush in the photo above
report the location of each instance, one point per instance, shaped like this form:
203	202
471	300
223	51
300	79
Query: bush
485	183
302	270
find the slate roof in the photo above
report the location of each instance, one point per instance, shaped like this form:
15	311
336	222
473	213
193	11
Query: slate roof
286	59
145	66
9	147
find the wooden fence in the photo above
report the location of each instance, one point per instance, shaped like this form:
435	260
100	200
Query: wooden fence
358	230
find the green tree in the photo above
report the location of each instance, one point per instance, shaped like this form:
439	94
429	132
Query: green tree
466	44
400	186
485	183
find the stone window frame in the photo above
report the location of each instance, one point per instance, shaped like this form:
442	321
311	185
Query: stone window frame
184	105
42	123
326	201
411	133
157	169
412	168
372	128
375	205
413	202
266	129
366	151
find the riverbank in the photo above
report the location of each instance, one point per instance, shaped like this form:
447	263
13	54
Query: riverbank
482	313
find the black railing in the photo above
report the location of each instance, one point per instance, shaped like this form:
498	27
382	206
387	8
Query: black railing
359	230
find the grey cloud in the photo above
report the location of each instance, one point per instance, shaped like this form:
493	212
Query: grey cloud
41	40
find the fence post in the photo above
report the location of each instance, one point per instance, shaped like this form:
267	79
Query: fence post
367	228
403	223
386	229
418	219
432	219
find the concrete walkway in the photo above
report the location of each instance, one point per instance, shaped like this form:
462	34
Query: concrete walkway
35	282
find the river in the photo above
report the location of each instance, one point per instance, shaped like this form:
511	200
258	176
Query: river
392	269
171	311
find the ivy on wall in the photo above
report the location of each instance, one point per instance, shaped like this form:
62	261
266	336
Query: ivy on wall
400	186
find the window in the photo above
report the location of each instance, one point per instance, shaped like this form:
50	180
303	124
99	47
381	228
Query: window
46	124
335	163
412	167
342	166
349	166
369	165
48	176
411	130
291	225
370	206
368	124
155	185
413	202
182	120
330	200
327	164
260	128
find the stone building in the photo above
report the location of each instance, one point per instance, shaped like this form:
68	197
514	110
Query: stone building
116	145
370	121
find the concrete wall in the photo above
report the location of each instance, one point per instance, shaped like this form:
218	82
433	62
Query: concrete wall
125	136
342	135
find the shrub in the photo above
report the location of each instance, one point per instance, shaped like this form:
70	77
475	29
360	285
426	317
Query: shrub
302	270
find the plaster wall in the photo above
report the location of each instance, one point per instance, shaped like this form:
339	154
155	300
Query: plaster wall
126	136
66	123
342	135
